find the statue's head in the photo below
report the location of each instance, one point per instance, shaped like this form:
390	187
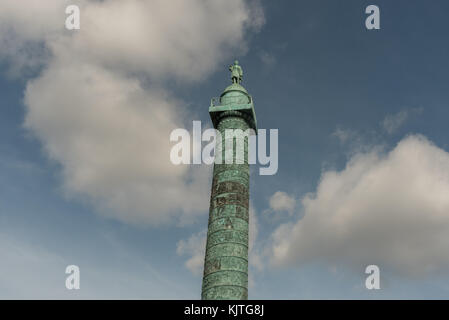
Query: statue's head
236	62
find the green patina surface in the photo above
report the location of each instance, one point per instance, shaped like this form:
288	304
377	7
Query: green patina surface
226	261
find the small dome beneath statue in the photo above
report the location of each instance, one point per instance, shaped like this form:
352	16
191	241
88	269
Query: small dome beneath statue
235	94
235	87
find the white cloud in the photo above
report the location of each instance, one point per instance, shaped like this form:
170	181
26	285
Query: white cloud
102	107
281	201
355	141
195	248
392	122
386	209
344	135
183	39
267	59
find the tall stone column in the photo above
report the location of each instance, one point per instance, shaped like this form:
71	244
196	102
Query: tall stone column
226	261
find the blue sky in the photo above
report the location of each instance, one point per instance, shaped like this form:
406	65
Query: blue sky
358	112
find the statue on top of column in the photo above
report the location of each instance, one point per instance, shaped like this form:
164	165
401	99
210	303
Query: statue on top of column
236	72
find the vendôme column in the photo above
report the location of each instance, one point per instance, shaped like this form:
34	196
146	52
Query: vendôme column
226	261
